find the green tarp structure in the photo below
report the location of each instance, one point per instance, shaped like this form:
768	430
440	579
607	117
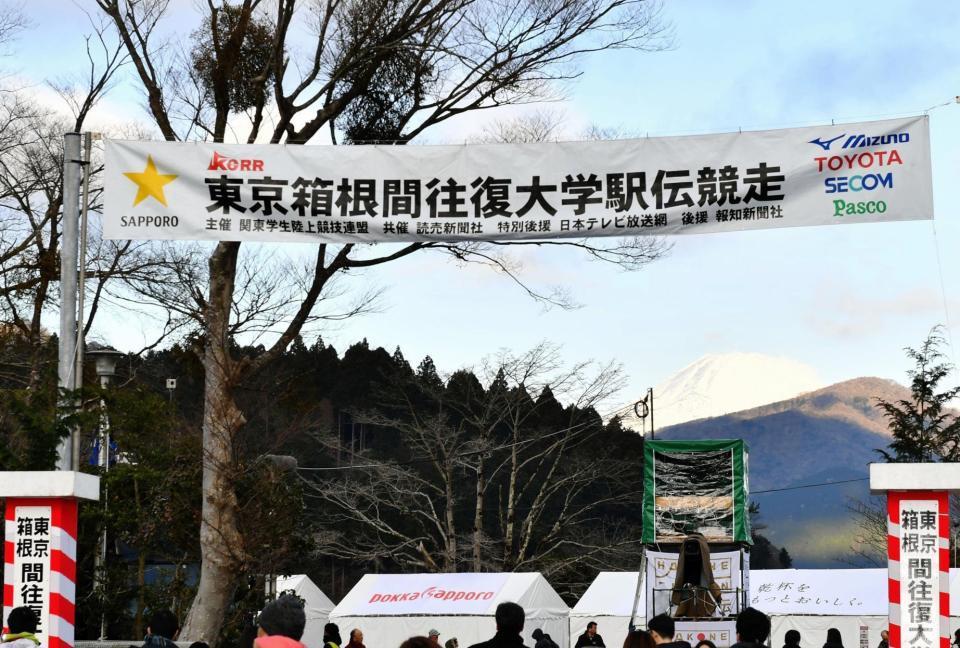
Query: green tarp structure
695	487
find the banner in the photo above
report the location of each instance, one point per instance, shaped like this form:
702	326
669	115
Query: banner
848	173
662	572
431	594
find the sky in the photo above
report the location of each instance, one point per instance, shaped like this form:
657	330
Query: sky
844	299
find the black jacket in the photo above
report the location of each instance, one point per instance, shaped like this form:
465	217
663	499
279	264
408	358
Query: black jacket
587	640
502	641
686	644
546	641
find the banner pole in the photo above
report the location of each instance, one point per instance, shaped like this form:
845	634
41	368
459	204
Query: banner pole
66	366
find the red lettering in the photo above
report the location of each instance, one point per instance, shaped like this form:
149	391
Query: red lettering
258	165
835	159
894	158
820	161
487	596
375	598
869	160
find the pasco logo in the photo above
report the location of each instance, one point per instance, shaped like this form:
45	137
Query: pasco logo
862	141
225	163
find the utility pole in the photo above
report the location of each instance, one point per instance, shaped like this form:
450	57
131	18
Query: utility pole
67	351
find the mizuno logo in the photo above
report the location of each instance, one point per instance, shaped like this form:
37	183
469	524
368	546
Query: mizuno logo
825	145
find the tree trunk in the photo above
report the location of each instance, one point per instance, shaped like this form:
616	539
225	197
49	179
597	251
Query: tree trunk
221	543
508	559
450	522
478	517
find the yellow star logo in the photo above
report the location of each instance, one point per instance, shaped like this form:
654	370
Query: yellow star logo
150	183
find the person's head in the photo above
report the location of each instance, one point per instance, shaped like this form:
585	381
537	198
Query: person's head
22	619
753	626
886	635
284	617
792	638
331	632
705	643
417	642
452	643
638	639
199	644
833	636
510	617
537	634
956	637
661	628
592	628
434	637
163	623
356	635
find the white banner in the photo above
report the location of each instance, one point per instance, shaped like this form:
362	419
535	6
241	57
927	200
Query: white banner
431	594
662	572
824	175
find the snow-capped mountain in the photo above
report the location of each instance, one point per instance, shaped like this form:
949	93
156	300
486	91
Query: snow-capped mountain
720	383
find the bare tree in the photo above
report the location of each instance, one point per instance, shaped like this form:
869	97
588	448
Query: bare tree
503	478
388	70
31	200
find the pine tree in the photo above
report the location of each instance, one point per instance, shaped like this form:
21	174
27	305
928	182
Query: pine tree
923	428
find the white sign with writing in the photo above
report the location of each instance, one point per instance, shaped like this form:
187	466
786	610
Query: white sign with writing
824	175
662	572
919	574
31	564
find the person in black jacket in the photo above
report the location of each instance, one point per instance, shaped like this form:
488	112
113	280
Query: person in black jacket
753	628
662	629
590	637
834	640
543	640
510	618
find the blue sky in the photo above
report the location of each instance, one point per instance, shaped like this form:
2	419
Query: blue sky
843	299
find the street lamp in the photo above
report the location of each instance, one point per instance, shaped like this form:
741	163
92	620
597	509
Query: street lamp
105	362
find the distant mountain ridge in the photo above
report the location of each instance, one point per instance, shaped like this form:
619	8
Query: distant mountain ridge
827	435
853	401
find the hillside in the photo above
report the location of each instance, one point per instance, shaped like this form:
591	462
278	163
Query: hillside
825	436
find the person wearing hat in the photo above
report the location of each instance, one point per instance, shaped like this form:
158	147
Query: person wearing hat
434	636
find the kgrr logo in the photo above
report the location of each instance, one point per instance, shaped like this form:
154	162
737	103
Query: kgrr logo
224	163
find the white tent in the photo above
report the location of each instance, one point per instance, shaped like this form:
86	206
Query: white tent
607	601
808	600
317	605
390	608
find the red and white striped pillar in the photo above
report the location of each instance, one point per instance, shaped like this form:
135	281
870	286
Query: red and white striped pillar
40	548
918	550
918	546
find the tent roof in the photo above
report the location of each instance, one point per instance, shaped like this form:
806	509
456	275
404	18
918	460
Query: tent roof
611	594
474	594
318	604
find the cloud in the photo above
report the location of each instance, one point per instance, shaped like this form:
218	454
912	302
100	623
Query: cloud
845	314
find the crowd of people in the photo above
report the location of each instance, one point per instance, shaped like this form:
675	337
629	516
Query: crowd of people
282	622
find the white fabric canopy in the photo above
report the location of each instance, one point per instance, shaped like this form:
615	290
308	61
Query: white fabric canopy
389	608
607	601
317	605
